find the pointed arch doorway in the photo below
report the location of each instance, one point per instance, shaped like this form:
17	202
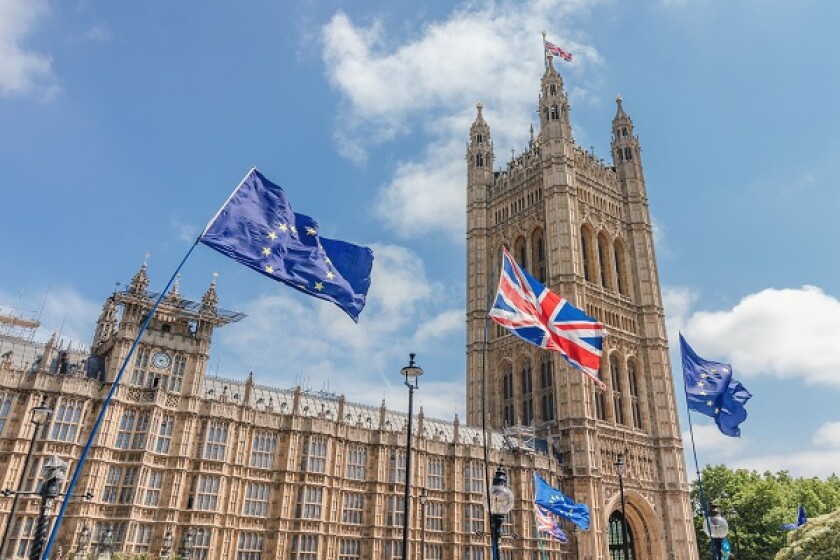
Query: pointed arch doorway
616	538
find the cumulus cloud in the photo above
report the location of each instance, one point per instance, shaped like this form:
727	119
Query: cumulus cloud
828	435
22	71
806	464
289	340
707	438
428	86
785	333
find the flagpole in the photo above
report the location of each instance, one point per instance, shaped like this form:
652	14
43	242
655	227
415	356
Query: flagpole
484	395
697	468
106	404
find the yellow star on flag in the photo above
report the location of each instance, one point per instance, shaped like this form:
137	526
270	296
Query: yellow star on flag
266	251
272	235
709	403
699	383
293	229
319	286
327	260
283	227
310	231
330	275
269	269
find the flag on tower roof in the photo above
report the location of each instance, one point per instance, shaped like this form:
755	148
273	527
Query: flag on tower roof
554	50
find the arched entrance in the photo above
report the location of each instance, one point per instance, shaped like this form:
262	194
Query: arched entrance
616	538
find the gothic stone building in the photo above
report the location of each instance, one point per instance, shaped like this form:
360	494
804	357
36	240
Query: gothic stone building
238	471
581	227
241	471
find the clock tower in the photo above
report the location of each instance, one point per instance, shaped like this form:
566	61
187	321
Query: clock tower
173	353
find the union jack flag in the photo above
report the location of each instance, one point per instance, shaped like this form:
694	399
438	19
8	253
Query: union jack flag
547	524
539	316
557	51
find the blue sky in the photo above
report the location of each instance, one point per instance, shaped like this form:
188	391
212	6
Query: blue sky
126	125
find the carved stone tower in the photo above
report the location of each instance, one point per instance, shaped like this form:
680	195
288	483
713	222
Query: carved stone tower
582	227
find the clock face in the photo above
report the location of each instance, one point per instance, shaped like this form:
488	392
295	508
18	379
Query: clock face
161	360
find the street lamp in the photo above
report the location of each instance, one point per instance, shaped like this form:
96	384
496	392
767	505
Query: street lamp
40	417
716	528
501	502
106	542
84	539
166	543
55	471
423	499
412	374
620	467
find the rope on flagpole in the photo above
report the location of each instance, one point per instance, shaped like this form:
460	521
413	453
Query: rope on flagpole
105	406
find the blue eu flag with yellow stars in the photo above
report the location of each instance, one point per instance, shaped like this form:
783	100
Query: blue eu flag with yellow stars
711	390
258	228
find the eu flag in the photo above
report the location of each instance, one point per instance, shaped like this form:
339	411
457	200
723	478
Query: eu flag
258	228
711	390
558	503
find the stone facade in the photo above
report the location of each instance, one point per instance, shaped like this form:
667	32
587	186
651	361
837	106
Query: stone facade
582	227
254	472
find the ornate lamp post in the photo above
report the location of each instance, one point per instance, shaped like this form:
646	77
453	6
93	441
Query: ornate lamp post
501	502
84	540
54	474
106	542
166	543
412	373
716	528
620	467
423	500
187	544
41	415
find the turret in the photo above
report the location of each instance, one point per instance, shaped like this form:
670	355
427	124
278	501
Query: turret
553	106
209	300
140	282
106	325
479	151
626	151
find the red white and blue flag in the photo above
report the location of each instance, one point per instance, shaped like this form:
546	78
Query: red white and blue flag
547	525
539	316
553	49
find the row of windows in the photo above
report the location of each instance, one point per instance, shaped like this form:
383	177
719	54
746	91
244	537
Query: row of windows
525	393
618	391
604	262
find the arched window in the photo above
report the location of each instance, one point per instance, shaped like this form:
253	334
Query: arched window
628	154
603	260
538	255
479	160
555	114
620	268
616	538
552	89
527	389
520	253
635	405
507	395
615	377
479	139
586	246
547	388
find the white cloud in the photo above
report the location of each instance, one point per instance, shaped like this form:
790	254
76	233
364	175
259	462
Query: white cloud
62	311
708	439
805	464
428	85
677	301
23	71
828	435
98	33
288	340
786	333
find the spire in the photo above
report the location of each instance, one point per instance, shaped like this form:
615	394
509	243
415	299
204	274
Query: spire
249	388
174	295
106	325
553	105
140	282
209	300
626	151
479	149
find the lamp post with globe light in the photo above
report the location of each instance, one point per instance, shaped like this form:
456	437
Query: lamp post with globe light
620	468
501	503
412	373
716	527
41	415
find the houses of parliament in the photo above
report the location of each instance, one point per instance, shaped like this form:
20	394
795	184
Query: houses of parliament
240	471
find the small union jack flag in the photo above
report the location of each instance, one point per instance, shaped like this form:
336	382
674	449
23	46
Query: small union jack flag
539	316
547	525
557	51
